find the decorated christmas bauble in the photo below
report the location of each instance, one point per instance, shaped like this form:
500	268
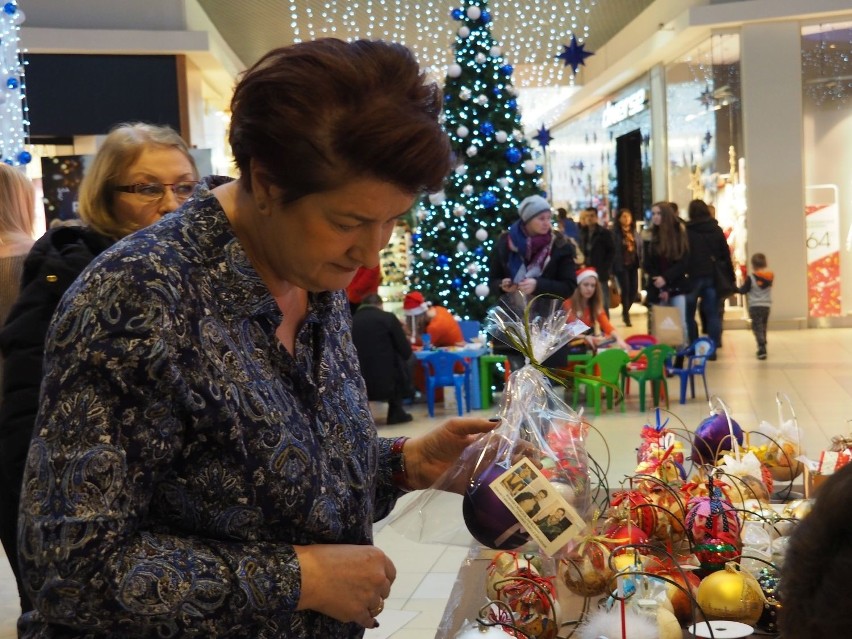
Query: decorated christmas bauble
731	595
478	631
636	506
508	564
487	518
585	570
713	436
769	582
680	597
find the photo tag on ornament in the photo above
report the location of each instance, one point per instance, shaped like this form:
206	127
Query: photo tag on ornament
538	506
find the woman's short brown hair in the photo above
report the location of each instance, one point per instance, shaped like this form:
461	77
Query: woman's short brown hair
316	115
121	148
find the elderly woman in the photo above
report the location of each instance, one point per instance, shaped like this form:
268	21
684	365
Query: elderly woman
205	462
140	173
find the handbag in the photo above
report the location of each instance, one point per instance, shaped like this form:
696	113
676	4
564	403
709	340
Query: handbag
614	294
722	281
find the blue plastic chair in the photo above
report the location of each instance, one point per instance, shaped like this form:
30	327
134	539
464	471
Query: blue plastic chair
695	360
470	329
440	369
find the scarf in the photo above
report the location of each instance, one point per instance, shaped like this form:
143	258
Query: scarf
628	243
527	255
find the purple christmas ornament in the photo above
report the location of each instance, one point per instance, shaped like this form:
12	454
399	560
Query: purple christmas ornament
713	436
487	518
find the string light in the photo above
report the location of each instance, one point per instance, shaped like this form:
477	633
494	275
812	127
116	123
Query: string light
13	108
540	27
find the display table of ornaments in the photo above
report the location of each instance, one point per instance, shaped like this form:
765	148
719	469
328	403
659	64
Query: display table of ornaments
690	545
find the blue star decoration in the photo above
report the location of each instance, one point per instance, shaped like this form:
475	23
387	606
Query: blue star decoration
543	136
706	98
574	54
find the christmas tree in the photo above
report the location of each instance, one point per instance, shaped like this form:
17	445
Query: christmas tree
458	227
13	108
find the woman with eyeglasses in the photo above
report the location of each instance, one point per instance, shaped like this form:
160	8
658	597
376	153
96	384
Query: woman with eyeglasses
140	173
205	463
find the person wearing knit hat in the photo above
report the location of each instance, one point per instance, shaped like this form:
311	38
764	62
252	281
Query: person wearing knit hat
587	305
532	257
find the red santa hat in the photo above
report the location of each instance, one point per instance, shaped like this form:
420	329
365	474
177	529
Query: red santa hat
414	304
586	273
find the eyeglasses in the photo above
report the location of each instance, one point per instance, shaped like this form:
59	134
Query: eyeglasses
154	191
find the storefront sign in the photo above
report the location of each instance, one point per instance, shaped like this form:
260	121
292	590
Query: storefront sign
615	112
822	224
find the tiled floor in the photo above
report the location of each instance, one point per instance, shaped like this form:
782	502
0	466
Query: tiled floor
810	366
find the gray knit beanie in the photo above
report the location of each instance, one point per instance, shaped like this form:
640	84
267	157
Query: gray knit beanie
532	206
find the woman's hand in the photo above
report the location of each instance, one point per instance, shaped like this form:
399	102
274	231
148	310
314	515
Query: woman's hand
508	286
659	281
527	286
345	582
427	457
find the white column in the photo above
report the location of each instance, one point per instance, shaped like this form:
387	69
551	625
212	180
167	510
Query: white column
774	165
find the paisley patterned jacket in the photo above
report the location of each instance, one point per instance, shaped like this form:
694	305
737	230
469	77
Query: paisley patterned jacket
181	451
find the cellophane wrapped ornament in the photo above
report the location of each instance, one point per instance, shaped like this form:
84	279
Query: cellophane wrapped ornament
785	442
537	430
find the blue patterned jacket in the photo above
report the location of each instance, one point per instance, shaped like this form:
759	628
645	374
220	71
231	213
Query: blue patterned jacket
180	450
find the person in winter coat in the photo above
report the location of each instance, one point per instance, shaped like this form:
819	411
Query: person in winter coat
707	249
598	248
140	173
665	263
383	352
532	258
758	287
628	257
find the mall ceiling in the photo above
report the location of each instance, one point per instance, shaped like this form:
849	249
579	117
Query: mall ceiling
531	32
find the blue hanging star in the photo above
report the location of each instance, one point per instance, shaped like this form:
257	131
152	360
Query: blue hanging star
706	98
543	136
574	54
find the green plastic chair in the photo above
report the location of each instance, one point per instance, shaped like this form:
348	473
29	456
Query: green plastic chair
653	372
608	366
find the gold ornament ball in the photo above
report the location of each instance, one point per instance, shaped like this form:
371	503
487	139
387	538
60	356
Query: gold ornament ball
731	595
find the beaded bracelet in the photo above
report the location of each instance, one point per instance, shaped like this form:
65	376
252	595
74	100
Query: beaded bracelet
398	473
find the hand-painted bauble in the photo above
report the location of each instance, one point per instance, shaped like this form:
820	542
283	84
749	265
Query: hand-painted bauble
637	507
622	535
585	570
731	595
508	564
534	604
487	518
680	600
713	436
478	631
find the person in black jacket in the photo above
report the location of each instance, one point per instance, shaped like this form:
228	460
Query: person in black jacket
140	173
383	353
708	250
598	248
628	257
532	258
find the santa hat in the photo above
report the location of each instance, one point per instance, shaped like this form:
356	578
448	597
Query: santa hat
414	304
586	273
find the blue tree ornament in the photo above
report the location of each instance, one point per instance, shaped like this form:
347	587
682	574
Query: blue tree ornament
415	237
513	155
512	104
507	69
12	83
457	283
485	17
442	260
457	14
10	8
486	128
479	250
24	157
488	199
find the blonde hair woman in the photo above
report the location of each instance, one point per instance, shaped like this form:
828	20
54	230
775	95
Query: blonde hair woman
17	218
140	173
